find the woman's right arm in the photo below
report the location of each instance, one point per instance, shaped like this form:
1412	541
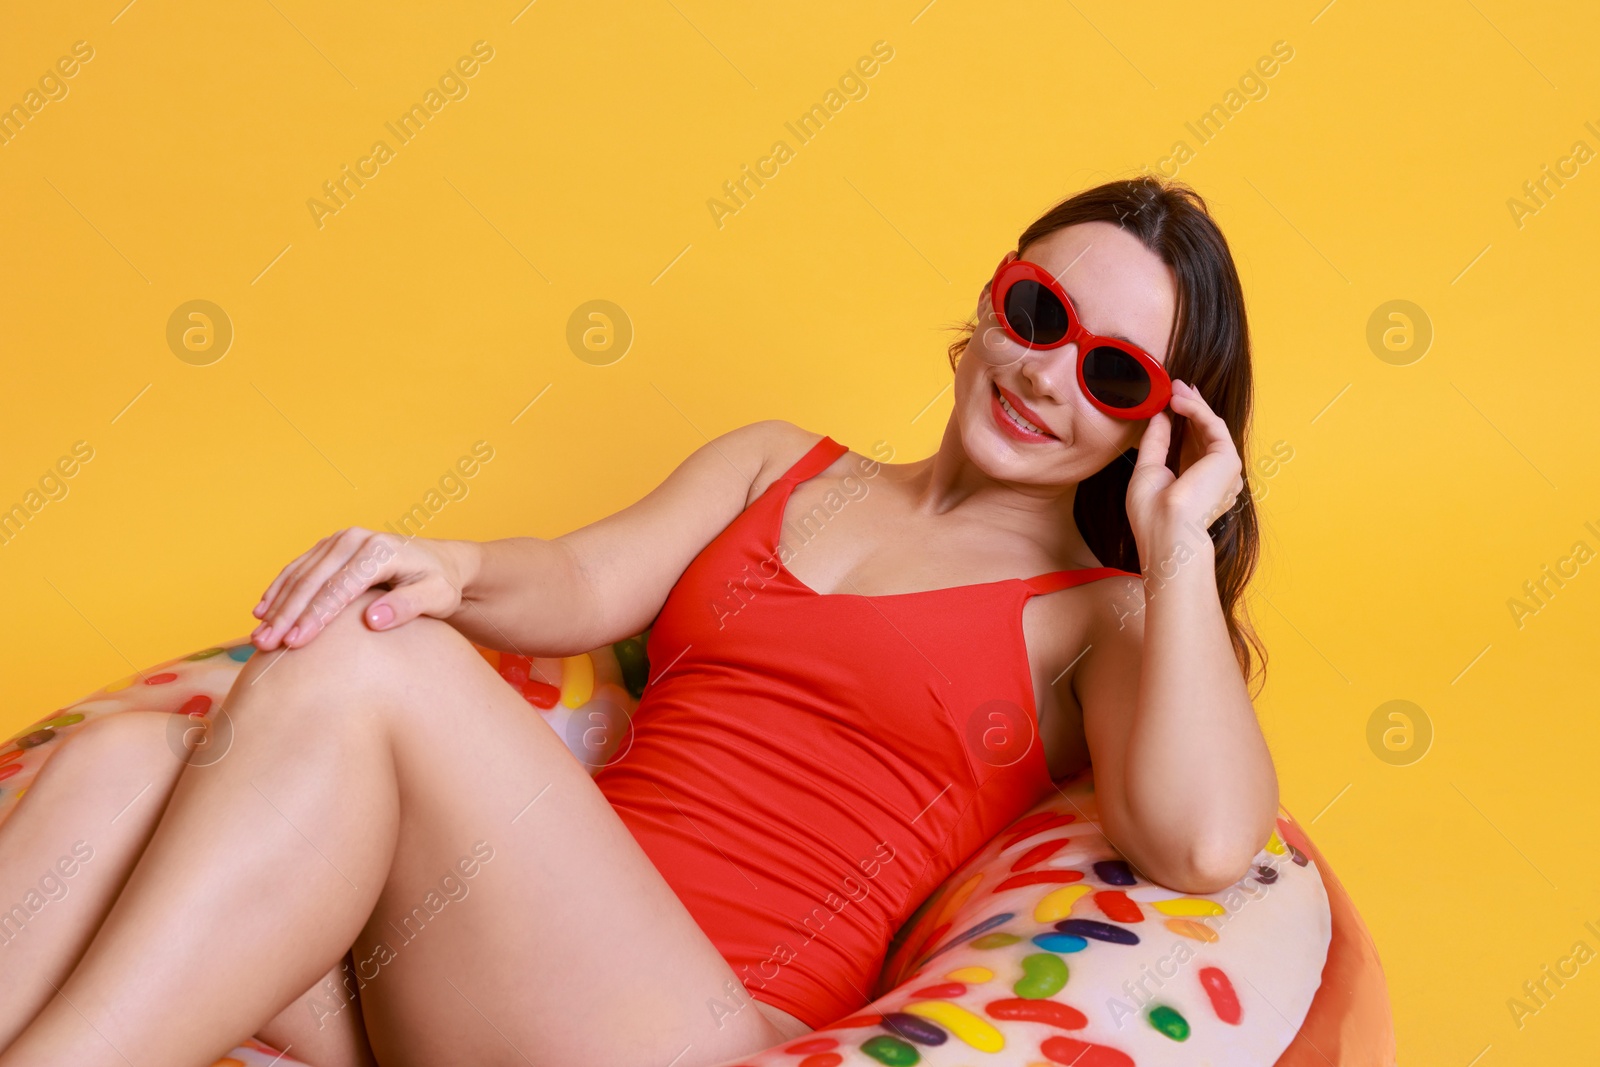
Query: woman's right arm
537	597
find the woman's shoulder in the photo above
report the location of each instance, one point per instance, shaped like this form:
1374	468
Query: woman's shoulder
1107	612
781	444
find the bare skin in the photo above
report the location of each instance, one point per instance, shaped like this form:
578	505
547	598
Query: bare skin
375	750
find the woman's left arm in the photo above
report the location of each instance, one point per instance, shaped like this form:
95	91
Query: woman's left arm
1184	780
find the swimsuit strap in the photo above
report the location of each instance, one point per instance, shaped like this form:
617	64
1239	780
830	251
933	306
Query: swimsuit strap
1055	580
817	459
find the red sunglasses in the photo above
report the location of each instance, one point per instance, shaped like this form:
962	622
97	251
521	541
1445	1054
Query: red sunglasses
1119	378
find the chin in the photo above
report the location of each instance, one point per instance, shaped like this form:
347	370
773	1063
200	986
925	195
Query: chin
1007	460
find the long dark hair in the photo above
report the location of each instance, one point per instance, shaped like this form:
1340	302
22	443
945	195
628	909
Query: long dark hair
1210	350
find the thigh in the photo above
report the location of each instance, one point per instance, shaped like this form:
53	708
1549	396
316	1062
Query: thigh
521	923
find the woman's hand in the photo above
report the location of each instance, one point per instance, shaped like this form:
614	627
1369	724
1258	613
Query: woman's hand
1209	480
423	576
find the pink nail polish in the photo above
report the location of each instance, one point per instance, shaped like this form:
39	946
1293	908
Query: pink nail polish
288	638
380	615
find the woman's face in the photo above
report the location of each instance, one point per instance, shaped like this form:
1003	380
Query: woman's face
1119	288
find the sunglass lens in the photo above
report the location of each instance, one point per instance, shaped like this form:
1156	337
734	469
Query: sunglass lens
1115	378
1034	313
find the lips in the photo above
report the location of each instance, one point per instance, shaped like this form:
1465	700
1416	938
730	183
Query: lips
1039	432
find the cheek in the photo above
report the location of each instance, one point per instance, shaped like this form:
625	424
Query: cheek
1100	437
993	346
971	383
1125	434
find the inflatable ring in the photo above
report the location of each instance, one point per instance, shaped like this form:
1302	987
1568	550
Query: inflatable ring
1044	947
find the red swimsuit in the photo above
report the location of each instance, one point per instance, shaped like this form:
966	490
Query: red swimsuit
805	768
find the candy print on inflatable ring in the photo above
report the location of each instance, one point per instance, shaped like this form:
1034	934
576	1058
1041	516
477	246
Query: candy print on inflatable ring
1045	946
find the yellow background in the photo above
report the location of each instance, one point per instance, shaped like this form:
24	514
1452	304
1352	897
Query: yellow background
370	353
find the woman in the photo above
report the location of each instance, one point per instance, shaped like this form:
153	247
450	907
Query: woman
859	673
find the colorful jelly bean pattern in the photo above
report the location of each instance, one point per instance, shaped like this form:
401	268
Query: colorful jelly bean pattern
1079	953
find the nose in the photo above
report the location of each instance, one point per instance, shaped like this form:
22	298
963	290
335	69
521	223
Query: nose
1052	372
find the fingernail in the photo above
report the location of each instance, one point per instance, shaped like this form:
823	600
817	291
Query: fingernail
259	608
258	631
288	638
380	615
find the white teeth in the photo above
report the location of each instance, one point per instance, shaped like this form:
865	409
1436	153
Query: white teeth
1018	419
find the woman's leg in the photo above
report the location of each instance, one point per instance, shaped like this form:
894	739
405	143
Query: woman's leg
83	826
73	840
388	790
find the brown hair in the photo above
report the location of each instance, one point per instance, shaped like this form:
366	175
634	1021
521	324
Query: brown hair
1210	351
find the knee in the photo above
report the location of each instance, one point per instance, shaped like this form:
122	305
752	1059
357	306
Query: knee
347	652
125	736
148	745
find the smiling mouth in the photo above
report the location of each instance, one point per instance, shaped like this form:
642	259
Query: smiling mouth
1017	418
